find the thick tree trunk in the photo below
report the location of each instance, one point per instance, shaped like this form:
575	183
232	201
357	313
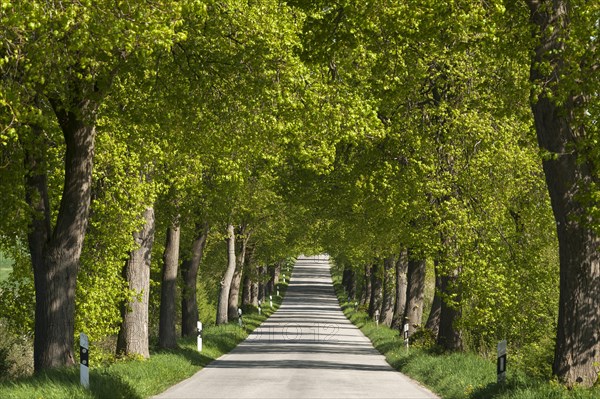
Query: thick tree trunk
234	295
433	321
351	289
55	253
401	289
167	332
223	303
449	336
365	297
249	277
234	290
189	273
346	275
275	271
387	307
376	290
254	294
262	285
133	334
247	290
415	292
577	352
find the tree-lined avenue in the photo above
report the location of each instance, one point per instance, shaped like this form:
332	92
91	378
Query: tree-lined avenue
307	349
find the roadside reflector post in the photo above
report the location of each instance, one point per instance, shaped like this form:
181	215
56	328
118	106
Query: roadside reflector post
259	308
271	300
199	333
501	364
240	316
406	335
84	363
377	317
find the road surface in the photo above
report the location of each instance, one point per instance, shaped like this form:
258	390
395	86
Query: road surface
307	349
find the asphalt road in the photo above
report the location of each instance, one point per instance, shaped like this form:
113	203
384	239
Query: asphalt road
307	349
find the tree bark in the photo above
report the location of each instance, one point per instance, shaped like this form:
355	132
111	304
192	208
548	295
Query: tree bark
401	290
433	321
223	303
366	291
249	277
262	285
254	294
346	276
234	290
449	336
247	290
189	273
376	290
568	173
415	291
133	333
167	332
387	307
55	252
275	271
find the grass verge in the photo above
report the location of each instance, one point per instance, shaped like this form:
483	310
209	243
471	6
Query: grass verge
138	379
455	375
6	266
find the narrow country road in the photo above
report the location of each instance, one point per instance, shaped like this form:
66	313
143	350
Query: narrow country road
307	349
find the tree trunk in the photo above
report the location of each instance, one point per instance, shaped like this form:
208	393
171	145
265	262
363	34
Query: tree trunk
223	303
247	290
568	173
376	290
254	294
351	289
346	278
387	307
401	290
449	336
415	291
234	290
275	270
167	334
189	273
133	333
366	291
249	277
55	253
433	321
262	285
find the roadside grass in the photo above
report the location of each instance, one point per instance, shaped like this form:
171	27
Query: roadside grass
137	378
6	266
455	375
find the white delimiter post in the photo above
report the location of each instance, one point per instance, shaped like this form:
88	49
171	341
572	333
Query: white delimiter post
199	331
84	364
406	335
501	364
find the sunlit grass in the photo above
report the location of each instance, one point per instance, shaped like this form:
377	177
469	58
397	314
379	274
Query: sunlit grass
141	378
456	375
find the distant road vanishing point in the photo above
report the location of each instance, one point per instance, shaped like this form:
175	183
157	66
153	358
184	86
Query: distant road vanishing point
307	349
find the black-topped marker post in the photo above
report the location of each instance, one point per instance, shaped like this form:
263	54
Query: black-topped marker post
84	360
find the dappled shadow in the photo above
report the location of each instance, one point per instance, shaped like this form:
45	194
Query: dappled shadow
297	364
